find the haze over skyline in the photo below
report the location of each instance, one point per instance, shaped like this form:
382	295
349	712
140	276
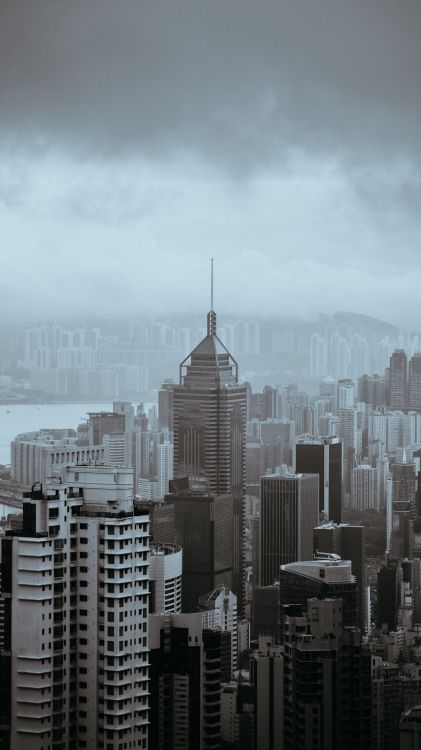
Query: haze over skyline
138	140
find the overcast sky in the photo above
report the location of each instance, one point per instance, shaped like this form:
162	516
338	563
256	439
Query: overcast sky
140	137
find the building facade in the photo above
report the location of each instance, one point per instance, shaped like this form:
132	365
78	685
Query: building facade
289	510
75	588
210	411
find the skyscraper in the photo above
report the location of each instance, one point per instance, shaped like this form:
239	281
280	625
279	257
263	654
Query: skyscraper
176	685
76	595
365	490
327	681
323	457
202	524
397	379
414	382
329	578
349	543
289	512
210	408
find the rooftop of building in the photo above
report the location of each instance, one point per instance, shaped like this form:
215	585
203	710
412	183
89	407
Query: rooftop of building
157	548
327	570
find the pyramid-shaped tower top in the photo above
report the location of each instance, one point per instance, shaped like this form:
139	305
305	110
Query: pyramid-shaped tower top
210	362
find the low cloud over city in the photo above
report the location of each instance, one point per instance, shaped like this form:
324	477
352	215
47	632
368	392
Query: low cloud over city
138	140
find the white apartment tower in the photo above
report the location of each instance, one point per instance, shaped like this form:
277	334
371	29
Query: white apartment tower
76	597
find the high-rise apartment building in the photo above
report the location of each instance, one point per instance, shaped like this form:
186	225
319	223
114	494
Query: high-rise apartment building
365	488
398	379
75	588
346	394
210	408
414	382
165	467
289	510
323	457
348	434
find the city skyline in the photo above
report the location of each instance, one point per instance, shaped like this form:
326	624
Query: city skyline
210	375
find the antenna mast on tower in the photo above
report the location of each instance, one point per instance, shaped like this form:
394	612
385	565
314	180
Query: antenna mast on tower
212	284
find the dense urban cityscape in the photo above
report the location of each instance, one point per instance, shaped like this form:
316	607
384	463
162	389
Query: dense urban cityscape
210	375
217	566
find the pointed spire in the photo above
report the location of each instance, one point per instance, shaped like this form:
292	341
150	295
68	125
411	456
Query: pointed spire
211	313
211	307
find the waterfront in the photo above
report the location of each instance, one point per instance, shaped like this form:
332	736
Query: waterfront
18	418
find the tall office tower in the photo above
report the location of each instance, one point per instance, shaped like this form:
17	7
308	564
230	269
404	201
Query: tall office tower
349	543
323	457
203	526
165	405
414	382
398	379
219	612
328	578
210	409
389	583
176	681
327	681
404	483
165	577
289	511
75	585
267	678
365	489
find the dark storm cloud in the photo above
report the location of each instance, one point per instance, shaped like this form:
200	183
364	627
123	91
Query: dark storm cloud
234	81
